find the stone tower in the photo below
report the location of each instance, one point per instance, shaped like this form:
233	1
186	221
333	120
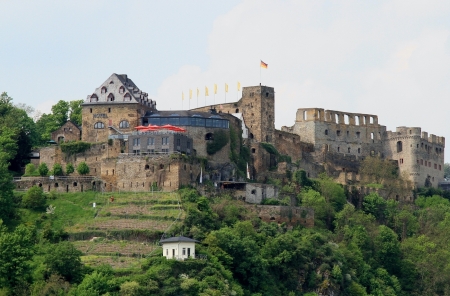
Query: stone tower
258	109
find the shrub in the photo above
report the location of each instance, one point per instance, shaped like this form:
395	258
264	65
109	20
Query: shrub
34	198
30	169
43	169
83	168
74	147
57	169
69	168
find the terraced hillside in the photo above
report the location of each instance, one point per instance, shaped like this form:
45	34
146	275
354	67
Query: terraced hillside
121	229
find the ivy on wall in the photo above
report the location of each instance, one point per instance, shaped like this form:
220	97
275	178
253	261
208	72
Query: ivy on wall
219	141
74	147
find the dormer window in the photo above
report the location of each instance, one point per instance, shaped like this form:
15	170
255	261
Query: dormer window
110	98
127	97
121	90
104	90
94	98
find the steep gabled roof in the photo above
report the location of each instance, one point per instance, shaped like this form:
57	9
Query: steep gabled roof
112	85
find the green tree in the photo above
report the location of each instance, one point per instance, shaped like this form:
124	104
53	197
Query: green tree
17	133
43	169
447	170
69	168
6	192
75	111
16	251
57	169
83	168
64	259
375	205
387	249
34	198
60	111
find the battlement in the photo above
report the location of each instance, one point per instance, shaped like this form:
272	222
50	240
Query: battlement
338	117
403	131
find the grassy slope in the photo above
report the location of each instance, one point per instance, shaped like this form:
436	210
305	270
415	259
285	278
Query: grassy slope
127	228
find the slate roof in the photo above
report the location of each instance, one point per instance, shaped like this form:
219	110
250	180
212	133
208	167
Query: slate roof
113	85
177	239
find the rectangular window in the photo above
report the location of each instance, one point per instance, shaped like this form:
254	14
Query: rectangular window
178	142
440	168
167	252
151	141
136	141
358	135
184	251
429	164
435	166
338	133
421	162
188	144
165	140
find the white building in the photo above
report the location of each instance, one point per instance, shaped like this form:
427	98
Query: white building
179	247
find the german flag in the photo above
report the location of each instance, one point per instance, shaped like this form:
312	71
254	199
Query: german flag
264	65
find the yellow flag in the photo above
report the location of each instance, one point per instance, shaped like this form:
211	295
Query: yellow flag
206	91
215	89
239	86
190	94
198	92
226	87
182	96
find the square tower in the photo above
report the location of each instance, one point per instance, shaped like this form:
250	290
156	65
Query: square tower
258	109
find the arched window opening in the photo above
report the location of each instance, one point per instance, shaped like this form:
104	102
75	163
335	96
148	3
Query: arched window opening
359	150
56	184
124	124
110	98
253	150
251	136
237	111
75	184
147	167
399	146
253	191
127	97
104	90
161	166
209	137
348	149
99	125
326	132
339	148
121	90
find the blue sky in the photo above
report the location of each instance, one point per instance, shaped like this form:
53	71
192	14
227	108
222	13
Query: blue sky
389	58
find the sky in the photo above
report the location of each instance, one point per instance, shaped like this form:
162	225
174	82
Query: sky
387	58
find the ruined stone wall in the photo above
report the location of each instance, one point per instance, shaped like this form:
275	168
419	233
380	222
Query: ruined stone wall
341	132
255	193
290	144
419	156
292	216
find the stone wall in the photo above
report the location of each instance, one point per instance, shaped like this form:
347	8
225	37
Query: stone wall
68	132
58	184
292	216
255	193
